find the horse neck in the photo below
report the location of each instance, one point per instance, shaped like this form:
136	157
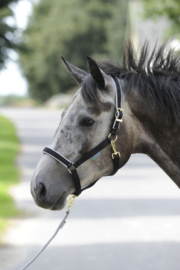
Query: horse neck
152	135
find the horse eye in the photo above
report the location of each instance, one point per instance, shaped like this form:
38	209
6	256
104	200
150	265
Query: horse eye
87	122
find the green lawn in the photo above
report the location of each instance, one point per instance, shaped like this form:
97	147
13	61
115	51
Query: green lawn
9	175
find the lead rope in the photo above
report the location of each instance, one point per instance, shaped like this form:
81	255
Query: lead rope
70	203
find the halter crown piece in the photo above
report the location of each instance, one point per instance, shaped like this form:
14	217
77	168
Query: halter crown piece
72	166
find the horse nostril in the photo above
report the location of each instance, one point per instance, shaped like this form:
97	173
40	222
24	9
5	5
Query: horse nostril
41	190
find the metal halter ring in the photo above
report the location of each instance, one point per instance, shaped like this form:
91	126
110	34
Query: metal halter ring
116	114
70	167
112	139
115	154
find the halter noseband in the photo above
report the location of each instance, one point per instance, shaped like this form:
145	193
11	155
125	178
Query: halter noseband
71	167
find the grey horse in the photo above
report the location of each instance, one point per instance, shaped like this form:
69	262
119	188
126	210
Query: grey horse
151	121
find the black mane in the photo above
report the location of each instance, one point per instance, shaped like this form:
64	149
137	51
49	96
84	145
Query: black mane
159	74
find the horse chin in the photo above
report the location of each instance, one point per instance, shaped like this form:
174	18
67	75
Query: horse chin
61	202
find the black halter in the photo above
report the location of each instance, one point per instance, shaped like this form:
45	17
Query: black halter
71	167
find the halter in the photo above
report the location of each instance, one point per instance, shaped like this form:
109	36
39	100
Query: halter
72	166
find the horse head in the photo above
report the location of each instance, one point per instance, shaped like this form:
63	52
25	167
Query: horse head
84	124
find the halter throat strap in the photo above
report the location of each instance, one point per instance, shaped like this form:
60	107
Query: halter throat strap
72	166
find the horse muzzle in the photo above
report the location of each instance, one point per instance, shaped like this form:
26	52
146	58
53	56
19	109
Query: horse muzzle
47	197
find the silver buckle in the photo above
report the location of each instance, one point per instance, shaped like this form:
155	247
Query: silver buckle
117	114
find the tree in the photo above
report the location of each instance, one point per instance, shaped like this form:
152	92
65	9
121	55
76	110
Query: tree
7	38
74	29
169	9
118	30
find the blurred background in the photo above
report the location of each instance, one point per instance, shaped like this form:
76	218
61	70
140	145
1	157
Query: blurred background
130	221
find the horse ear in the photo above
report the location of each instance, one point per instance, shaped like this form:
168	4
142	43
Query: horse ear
77	73
98	75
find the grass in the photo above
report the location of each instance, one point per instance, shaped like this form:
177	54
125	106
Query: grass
9	175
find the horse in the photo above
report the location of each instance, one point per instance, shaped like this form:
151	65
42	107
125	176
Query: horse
150	102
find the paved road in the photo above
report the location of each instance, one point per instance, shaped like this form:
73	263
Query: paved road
130	221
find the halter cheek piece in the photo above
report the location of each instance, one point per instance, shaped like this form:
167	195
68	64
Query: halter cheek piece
71	167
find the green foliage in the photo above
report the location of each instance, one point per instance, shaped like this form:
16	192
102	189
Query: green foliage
8	172
11	100
7	38
74	29
169	9
118	31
